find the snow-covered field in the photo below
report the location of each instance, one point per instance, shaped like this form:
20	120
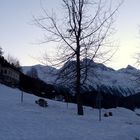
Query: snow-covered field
28	121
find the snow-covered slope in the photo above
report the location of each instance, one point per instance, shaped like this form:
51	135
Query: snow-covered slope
28	121
46	73
124	80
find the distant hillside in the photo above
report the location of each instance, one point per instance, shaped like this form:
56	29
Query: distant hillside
123	81
45	73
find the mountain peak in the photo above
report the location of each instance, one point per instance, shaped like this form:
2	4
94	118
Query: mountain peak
130	67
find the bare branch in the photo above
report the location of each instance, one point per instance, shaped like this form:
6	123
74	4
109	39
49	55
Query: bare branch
81	36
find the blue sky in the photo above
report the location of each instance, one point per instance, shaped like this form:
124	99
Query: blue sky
19	37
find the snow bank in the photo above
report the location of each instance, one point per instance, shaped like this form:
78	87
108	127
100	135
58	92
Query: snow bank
28	121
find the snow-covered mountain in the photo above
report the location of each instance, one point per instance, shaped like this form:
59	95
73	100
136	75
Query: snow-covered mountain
124	80
45	73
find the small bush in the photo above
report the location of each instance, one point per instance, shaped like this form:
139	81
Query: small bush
136	138
105	115
110	114
41	102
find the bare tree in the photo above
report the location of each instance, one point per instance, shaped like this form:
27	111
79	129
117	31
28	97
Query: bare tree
33	73
14	61
82	35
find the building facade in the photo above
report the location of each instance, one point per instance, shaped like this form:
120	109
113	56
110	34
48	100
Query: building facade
8	73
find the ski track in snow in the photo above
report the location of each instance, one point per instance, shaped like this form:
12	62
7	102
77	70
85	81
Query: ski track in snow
28	121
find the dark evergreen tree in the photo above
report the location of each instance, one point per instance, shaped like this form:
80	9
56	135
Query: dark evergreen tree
1	52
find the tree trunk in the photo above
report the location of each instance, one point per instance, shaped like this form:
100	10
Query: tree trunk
78	79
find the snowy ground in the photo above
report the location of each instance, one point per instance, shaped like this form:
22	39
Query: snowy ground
28	121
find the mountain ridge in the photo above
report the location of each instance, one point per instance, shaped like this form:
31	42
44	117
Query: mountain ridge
124	80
